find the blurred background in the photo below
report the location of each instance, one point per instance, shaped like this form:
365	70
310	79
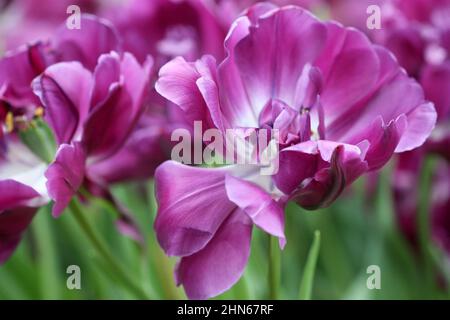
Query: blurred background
397	219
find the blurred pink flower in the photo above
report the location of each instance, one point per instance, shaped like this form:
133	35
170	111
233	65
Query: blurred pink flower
167	28
406	181
91	114
27	21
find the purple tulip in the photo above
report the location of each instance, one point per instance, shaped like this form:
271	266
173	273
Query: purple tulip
227	11
405	182
21	172
342	106
166	29
417	32
22	192
20	66
91	114
29	22
206	216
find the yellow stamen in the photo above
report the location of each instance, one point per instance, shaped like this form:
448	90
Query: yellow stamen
39	112
9	122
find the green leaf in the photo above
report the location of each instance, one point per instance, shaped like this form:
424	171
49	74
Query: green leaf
39	139
310	268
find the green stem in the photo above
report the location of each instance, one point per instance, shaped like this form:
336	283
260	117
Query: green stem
274	268
423	217
47	257
242	289
105	253
310	268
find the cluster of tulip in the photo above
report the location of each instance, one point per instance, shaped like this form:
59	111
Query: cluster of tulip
90	112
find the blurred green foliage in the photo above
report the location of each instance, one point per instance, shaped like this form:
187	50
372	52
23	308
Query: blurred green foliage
357	231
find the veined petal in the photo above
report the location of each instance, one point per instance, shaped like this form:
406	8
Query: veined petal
112	120
17	208
15	194
178	83
264	211
64	89
136	160
12	224
95	37
296	164
65	175
17	70
436	84
219	265
192	204
342	165
268	72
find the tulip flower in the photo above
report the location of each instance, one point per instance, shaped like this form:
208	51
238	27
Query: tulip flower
341	105
22	192
20	66
417	32
28	22
22	165
406	182
91	114
166	29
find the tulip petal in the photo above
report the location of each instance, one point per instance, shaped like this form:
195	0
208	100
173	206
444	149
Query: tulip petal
296	164
345	165
259	205
178	83
16	213
17	70
65	175
219	265
64	89
15	194
96	36
12	224
111	121
192	204
136	160
436	84
272	57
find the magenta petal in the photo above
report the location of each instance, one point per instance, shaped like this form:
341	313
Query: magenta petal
95	37
178	83
436	84
136	160
383	140
12	224
192	204
296	164
107	126
264	211
113	119
268	72
14	194
106	73
237	107
15	214
64	89
17	70
342	165
218	266
65	175
349	66
420	123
